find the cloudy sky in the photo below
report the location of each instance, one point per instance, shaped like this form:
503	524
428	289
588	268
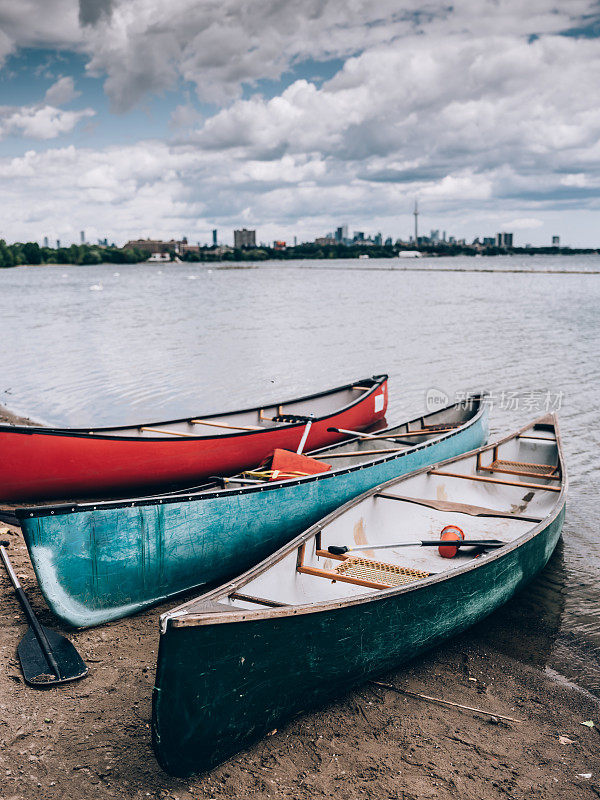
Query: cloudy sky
132	118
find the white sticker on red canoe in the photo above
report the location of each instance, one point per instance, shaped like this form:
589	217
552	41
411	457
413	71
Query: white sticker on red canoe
379	402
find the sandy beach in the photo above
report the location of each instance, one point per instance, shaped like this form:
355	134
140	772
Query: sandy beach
91	739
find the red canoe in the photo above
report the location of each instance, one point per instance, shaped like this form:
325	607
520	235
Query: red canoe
43	463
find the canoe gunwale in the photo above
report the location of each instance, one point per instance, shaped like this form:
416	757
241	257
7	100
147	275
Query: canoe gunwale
180	617
99	433
29	512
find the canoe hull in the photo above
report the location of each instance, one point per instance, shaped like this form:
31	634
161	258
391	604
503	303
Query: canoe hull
37	463
99	565
216	693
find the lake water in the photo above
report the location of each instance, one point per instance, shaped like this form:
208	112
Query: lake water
104	345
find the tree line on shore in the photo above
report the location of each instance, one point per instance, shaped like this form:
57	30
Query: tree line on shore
13	255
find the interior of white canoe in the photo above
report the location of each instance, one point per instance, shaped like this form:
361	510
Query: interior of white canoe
501	493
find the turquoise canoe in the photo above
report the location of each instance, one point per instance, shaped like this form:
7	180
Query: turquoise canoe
100	561
309	623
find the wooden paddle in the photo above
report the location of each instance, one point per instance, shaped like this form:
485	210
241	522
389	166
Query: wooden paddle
46	657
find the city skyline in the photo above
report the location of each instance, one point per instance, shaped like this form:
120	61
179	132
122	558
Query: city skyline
135	119
245	238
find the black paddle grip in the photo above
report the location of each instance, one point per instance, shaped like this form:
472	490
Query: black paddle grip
335	550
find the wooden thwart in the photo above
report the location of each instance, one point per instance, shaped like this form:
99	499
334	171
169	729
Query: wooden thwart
163	430
359	453
427	431
230	427
261	601
495	480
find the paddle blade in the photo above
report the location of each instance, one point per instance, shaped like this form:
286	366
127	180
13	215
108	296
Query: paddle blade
286	465
36	669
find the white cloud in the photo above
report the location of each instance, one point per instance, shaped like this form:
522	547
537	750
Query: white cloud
62	92
6	46
481	108
522	224
40	122
222	45
29	23
185	116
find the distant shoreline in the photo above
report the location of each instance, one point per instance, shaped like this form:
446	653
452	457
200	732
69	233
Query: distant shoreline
31	254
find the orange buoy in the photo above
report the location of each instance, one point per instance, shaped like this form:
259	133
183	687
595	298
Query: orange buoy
450	533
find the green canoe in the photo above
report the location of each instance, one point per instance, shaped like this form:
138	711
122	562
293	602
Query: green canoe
305	625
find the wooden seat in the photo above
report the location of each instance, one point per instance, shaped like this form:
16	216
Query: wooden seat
360	571
522	484
524	468
378	572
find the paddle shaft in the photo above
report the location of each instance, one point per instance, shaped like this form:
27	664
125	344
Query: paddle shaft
340	550
29	613
304	437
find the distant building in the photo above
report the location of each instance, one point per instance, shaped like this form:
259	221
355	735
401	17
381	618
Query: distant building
325	241
244	238
341	234
82	236
150	246
388	241
278	244
188	248
378	240
434	237
359	236
556	241
489	241
45	241
504	239
57	244
214	237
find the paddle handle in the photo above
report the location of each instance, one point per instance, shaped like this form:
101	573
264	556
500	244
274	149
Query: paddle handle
29	612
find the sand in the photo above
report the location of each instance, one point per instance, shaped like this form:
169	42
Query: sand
91	739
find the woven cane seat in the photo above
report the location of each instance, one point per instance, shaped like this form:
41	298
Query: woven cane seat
379	572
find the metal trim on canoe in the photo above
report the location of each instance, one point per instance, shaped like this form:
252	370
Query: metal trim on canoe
149	500
97	433
180	617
